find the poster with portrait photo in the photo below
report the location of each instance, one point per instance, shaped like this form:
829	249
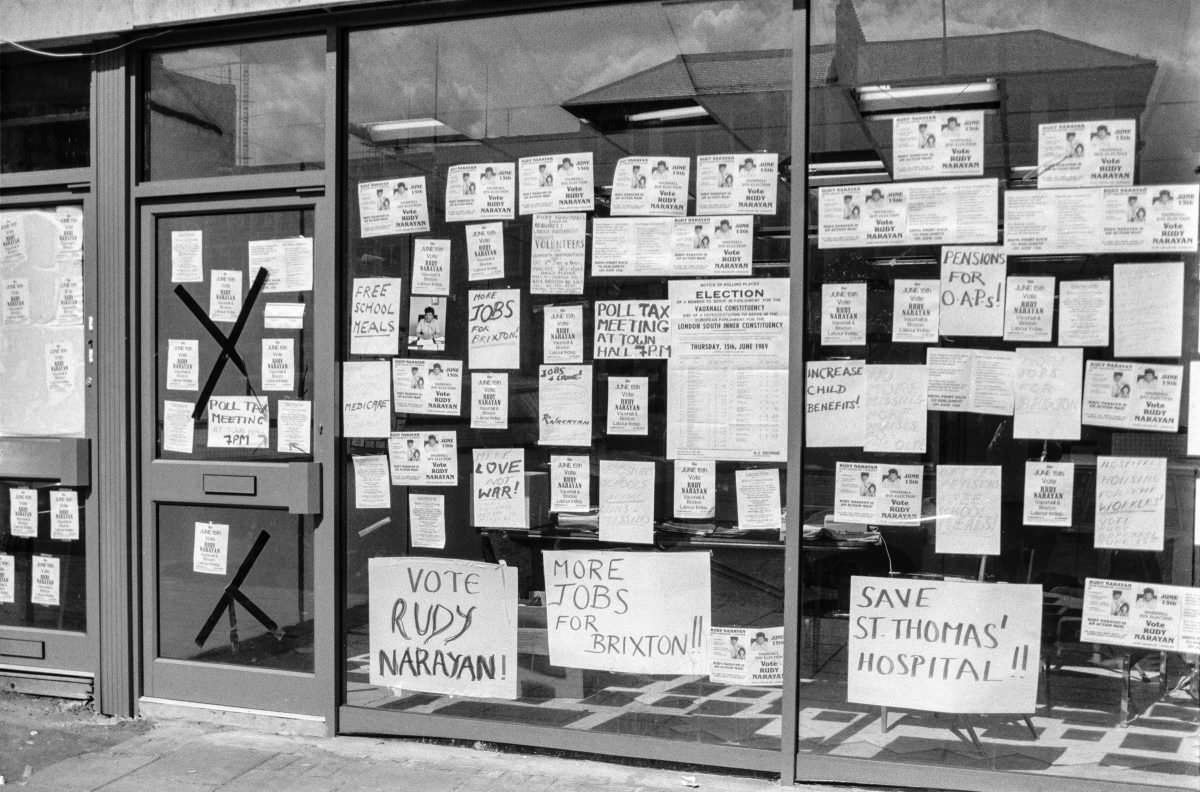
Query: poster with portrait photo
878	494
423	459
422	386
651	186
736	184
1086	153
712	245
1143	615
556	183
933	145
426	324
393	206
1123	395
480	191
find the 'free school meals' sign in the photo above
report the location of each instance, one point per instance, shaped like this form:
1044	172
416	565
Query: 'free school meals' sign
943	645
645	613
442	625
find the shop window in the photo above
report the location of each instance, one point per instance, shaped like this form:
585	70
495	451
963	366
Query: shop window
244	108
533	201
998	477
45	113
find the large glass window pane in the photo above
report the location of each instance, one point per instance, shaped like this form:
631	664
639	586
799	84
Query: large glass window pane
45	113
653	80
996	466
43	574
237	108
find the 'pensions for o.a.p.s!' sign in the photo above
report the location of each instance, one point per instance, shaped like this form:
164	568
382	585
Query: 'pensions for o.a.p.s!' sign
944	645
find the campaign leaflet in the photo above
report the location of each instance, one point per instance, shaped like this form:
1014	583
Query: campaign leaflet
1083	310
423	459
934	145
489	400
562	334
570	483
557	183
557	253
736	183
1122	395
970	380
628	399
746	656
1086	153
1049	493
632	246
651	186
695	489
1141	615
288	262
480	191
1029	308
916	308
712	245
878	494
392	206
422	386
485	252
431	266
1143	219
843	314
947	212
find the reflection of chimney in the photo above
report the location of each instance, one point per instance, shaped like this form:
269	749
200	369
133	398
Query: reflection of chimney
848	35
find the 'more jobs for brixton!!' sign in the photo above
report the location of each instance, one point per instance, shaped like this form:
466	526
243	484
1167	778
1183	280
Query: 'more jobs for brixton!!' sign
943	645
442	625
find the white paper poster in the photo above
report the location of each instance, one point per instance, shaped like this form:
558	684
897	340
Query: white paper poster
968	509
183	356
423	459
495	328
225	295
915	311
758	500
642	613
8	575
187	256
64	515
442	625
570	483
557	253
16	301
68	300
1083	309
283	316
372	487
1193	422
1148	309
22	512
747	656
935	145
626	501
833	403
239	422
651	186
480	191
210	548
565	405
1047	393
294	435
485	253
1029	309
631	247
427	520
45	581
1049	493
736	183
970	380
375	316
712	246
632	329
557	183
562	334
1141	396
61	370
727	376
1143	615
278	364
1086	153
498	488
178	429
874	494
972	283
393	206
896	402
431	266
425	386
695	489
366	398
843	314
962	211
981	655
489	400
288	262
12	240
1131	494
628	411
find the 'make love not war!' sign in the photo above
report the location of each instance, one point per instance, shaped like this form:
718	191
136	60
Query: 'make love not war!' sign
442	625
646	613
944	645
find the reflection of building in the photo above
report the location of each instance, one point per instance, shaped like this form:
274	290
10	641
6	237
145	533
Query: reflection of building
196	117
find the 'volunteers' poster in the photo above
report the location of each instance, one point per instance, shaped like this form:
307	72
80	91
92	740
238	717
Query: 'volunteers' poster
372	486
557	253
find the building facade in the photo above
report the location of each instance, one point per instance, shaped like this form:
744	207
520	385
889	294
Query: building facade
431	370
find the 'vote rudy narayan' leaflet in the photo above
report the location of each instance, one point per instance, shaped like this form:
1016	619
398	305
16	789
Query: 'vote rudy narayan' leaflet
375	316
431	266
1029	309
392	206
489	399
1142	615
695	489
485	252
915	311
877	494
557	183
562	334
650	186
736	183
480	191
1049	493
1141	396
557	253
423	459
427	386
1086	153
936	145
843	314
728	370
962	211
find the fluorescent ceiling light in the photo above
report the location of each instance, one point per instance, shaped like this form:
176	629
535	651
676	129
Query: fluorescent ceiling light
407	125
668	114
887	98
853	166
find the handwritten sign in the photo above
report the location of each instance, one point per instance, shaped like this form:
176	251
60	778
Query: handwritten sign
1148	309
1143	615
833	403
278	364
565	405
239	422
45	581
643	613
498	488
632	329
968	509
1047	394
225	295
442	625
895	409
427	386
372	484
366	398
8	578
943	645
626	501
495	329
972	284
1131	494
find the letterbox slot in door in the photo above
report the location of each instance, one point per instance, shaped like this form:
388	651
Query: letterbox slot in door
230	485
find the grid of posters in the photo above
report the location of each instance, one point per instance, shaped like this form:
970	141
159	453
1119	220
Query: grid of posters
651	186
1049	493
1141	615
936	145
913	213
557	253
424	386
1148	309
1086	153
480	191
183	364
1142	396
45	581
1047	394
1131	495
916	309
557	183
712	245
392	206
878	494
727	375
565	405
970	380
423	459
64	515
736	183
843	314
968	509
